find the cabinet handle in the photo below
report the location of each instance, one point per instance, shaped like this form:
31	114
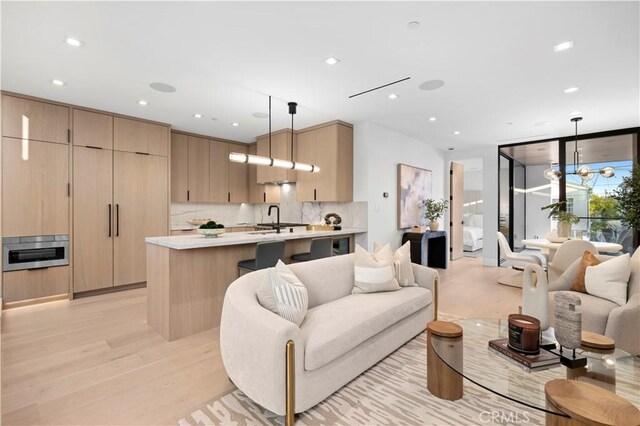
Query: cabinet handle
314	195
228	197
109	219
187	195
93	147
142	153
264	197
117	220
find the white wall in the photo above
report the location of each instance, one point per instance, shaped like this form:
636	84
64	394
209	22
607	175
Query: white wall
489	155
473	180
538	224
377	153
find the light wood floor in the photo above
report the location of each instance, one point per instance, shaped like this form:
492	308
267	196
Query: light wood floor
95	360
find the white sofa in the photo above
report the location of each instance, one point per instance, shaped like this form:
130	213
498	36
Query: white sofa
342	335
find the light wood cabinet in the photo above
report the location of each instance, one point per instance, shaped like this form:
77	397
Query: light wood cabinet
330	147
92	129
238	180
280	148
218	172
179	168
140	198
93	219
35	187
34	120
199	169
139	136
34	283
258	192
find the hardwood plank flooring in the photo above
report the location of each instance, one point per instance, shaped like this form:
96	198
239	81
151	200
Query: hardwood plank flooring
96	361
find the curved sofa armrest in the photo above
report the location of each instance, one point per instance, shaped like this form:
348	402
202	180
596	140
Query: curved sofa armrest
428	278
620	320
253	344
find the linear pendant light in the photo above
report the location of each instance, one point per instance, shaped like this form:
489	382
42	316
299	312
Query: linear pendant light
258	160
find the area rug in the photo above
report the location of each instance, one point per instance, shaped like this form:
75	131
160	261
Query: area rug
392	392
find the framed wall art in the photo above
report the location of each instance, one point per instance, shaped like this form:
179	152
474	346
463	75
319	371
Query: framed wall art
414	186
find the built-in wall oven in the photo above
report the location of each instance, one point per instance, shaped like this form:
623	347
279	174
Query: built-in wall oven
42	251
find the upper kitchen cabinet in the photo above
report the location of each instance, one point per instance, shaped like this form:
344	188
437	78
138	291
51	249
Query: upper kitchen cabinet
258	192
189	169
93	130
329	147
35	188
179	168
34	120
139	136
280	148
228	181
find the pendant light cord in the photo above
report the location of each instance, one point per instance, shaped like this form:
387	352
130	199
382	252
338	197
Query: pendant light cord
270	126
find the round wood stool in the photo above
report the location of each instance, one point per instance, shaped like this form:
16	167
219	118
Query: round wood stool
587	404
442	380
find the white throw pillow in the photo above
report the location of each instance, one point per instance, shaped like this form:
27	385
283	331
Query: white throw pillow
401	264
282	293
609	279
374	271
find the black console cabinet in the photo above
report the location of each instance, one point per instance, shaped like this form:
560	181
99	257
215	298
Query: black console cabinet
428	248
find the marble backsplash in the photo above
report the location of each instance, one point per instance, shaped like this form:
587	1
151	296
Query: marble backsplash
354	215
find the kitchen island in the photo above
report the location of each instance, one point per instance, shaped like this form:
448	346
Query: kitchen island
188	275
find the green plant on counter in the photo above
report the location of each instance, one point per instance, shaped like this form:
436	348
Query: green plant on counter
556	212
212	225
434	210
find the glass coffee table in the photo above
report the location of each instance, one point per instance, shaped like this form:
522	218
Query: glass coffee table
614	370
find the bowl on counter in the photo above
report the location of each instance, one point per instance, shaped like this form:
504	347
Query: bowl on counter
211	233
198	222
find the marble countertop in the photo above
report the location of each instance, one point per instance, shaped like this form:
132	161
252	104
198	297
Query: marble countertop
183	242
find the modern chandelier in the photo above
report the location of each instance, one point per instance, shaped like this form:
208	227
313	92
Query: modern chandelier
581	170
258	160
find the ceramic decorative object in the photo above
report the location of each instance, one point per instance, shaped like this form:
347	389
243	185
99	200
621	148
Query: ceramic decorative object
564	230
568	320
535	300
434	225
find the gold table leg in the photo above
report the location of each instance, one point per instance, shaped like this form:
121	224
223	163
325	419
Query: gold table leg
290	411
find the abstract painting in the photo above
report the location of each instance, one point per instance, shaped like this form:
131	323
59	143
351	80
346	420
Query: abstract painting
414	186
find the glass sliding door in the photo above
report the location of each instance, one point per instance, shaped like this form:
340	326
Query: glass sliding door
505	194
519	205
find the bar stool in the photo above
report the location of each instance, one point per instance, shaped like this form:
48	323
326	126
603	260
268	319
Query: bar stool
267	255
320	247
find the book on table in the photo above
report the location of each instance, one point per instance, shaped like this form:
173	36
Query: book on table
535	361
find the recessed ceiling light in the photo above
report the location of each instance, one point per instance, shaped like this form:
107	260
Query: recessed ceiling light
58	82
569	90
260	115
431	85
457	132
234	124
413	25
143	102
196	115
575	113
432	119
332	60
73	42
393	96
563	46
162	87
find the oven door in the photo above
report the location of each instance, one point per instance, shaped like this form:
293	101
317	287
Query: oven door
34	255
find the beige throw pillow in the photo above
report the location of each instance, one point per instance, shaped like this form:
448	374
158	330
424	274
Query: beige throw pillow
374	271
283	294
401	264
609	279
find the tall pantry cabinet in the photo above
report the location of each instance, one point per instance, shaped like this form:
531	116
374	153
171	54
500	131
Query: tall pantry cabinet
120	196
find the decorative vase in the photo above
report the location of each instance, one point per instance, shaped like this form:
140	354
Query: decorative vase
564	229
434	225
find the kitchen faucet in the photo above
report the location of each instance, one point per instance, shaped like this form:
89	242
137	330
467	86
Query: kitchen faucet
278	216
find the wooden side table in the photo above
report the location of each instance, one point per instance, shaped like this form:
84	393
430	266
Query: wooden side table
587	404
445	338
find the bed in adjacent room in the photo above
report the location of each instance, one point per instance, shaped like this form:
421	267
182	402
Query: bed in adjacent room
472	233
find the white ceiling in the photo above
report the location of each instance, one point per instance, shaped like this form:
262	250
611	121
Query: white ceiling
224	58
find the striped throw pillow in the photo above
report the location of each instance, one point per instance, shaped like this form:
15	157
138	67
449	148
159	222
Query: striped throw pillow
283	294
401	264
374	272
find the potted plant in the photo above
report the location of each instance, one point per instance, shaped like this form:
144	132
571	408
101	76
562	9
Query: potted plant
564	218
434	210
628	197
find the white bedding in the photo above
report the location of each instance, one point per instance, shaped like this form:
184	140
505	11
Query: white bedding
472	238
